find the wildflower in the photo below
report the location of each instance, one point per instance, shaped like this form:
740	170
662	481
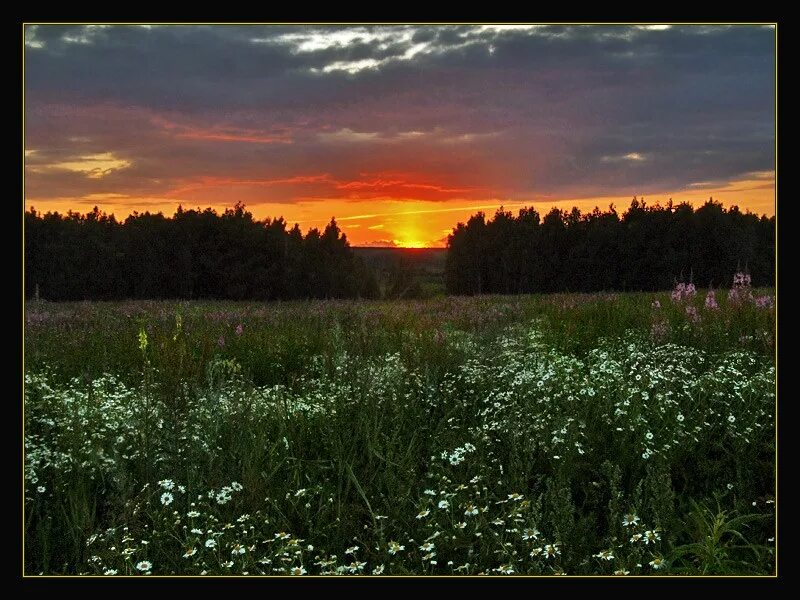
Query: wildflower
228	564
190	552
515	497
605	555
395	547
658	563
651	536
622	572
711	301
683	291
429	492
378	570
636	537
351	550
764	302
236	486
282	535
144	565
731	418
423	513
211	543
630	519
531	534
656	304
741	290
166	498
551	550
239	329
221	341
110	572
680	417
443	504
41	489
192	514
238	549
427	547
167	484
296	570
648	435
505	569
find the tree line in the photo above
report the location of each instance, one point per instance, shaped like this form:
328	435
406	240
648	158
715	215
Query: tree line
647	248
195	254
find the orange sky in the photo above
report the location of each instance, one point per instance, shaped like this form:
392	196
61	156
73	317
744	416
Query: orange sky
411	222
400	132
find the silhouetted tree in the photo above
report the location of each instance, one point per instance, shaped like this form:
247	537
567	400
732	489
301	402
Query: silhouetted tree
647	248
194	254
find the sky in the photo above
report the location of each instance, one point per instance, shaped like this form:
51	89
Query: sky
399	132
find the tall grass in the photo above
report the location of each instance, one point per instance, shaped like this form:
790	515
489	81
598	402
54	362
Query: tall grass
485	435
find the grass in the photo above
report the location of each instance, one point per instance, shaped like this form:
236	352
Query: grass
494	435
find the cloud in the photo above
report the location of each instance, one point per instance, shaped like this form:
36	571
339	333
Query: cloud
284	114
381	244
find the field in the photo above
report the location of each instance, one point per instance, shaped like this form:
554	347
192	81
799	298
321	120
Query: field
563	434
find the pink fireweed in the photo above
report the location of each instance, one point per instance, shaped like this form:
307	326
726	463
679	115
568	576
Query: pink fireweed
693	315
741	291
683	291
764	302
711	300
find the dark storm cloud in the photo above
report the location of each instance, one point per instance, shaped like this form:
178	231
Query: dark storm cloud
559	110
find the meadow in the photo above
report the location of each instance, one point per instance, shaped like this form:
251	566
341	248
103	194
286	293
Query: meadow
603	434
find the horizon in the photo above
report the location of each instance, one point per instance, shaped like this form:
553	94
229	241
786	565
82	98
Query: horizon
383	245
400	131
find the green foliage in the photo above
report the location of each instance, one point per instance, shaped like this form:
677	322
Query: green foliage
320	437
720	545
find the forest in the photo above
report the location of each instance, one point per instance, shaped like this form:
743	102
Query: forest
200	254
193	255
647	248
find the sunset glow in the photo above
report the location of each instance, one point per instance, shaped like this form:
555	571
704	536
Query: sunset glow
397	132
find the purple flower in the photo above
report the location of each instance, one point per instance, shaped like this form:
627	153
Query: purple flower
741	290
691	312
711	300
683	291
764	302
